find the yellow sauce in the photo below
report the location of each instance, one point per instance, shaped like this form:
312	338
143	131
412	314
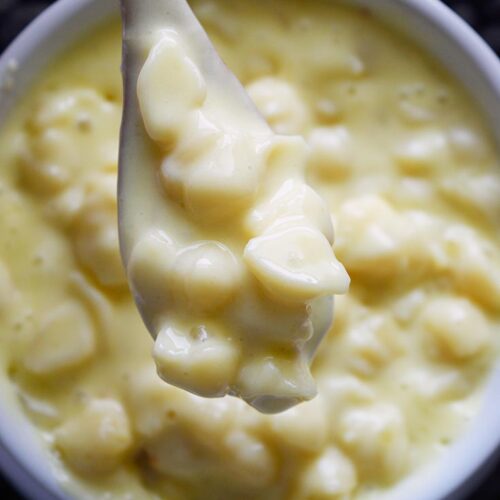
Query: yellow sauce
410	175
228	250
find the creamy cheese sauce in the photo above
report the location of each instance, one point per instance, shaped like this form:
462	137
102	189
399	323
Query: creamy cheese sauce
230	257
410	175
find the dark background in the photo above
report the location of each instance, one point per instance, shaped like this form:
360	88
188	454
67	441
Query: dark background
483	15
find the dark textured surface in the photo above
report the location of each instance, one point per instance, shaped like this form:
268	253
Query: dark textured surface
484	15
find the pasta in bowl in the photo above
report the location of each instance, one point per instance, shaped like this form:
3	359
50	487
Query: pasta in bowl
399	376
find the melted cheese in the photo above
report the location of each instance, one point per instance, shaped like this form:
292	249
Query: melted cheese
233	269
409	173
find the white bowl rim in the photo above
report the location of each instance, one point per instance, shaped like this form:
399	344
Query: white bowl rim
30	479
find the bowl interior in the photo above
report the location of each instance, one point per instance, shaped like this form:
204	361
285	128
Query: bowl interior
23	454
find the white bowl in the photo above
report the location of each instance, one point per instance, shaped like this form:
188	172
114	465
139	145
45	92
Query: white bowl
23	455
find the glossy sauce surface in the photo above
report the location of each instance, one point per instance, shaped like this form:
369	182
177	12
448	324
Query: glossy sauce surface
228	250
411	178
